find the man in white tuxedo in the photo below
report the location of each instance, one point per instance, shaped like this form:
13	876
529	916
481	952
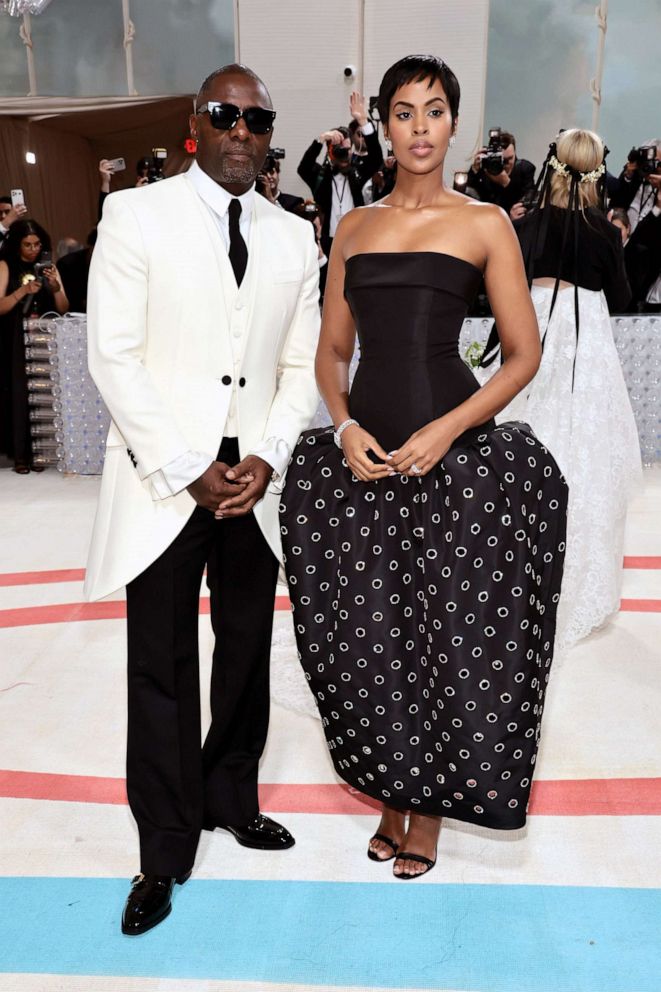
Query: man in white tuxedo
202	338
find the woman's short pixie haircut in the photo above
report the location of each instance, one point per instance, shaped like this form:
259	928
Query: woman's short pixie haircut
415	69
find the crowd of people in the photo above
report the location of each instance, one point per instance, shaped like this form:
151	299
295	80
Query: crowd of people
425	532
344	167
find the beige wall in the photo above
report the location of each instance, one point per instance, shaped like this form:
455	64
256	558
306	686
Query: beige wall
301	48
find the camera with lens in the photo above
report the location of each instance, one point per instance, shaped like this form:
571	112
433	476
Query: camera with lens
492	160
645	158
278	153
155	165
530	199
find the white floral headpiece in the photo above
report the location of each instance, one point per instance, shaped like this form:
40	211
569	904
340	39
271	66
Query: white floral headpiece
585	177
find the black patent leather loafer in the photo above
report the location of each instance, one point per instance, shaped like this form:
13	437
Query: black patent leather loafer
149	902
262	833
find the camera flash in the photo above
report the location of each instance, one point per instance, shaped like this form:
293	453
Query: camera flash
31	158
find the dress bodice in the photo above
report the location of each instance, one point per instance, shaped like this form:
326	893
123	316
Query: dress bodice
408	308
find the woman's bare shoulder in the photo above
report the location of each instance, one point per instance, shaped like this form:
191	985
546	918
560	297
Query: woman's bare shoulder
484	214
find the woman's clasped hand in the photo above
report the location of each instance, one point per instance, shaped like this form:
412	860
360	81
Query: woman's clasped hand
416	457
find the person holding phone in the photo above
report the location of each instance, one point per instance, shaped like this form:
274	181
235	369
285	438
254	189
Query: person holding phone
12	208
29	284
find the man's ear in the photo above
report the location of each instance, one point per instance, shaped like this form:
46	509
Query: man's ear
192	124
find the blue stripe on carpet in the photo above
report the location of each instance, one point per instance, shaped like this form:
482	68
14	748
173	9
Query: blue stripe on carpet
490	938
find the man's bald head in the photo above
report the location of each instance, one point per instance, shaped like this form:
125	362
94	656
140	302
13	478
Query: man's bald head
233	69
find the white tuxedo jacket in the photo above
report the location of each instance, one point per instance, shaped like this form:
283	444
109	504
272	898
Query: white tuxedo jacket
162	304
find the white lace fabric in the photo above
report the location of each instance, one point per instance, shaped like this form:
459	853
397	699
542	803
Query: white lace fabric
592	435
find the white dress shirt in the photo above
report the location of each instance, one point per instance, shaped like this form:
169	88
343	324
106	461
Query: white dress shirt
641	204
178	474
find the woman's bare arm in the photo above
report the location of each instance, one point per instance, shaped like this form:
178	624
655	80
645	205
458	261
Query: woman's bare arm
338	335
334	353
7	303
509	296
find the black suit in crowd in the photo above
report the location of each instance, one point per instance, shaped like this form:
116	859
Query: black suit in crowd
74	272
522	181
289	202
623	190
320	178
643	257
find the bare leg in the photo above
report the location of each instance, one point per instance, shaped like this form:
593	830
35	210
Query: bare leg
421	838
393	825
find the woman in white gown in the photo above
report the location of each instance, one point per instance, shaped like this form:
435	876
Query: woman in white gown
578	404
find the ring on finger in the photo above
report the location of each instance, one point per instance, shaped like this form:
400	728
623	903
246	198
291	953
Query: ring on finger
415	469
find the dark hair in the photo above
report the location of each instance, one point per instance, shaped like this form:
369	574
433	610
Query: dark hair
11	246
619	213
507	139
353	127
415	69
5	199
232	69
344	131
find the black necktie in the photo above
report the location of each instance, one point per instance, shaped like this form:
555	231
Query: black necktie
238	249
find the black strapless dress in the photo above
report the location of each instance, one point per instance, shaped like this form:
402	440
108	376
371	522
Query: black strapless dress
425	608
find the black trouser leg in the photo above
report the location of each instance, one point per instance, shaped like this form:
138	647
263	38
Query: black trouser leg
164	767
242	577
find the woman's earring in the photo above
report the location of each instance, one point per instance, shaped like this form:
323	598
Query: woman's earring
389	146
452	141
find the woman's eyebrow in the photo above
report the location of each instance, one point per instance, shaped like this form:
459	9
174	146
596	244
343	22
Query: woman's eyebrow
404	103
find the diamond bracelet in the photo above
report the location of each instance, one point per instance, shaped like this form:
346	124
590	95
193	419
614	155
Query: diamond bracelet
337	435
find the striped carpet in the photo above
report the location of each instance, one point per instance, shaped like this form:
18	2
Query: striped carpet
570	904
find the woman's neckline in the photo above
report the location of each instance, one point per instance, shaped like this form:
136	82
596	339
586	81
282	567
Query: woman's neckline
442	254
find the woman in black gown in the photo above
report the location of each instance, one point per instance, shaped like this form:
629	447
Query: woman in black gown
425	553
22	294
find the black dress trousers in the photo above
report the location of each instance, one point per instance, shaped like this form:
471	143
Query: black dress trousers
175	785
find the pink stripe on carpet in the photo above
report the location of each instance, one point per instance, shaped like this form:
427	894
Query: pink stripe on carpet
39	578
30	616
562	797
640	605
642	561
78	574
115	609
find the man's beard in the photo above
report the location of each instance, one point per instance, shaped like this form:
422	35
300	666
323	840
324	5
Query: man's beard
237	171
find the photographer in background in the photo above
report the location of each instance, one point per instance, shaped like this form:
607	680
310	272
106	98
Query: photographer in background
74	272
358	143
29	285
309	210
268	183
9	214
382	182
337	182
643	257
639	181
620	218
498	176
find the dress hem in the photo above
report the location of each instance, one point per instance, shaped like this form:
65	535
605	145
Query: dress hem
478	819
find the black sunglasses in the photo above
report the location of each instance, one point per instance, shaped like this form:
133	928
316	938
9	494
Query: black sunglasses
225	116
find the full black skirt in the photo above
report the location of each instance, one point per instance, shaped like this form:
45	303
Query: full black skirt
424	612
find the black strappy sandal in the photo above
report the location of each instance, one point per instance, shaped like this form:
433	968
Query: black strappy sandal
373	856
406	856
